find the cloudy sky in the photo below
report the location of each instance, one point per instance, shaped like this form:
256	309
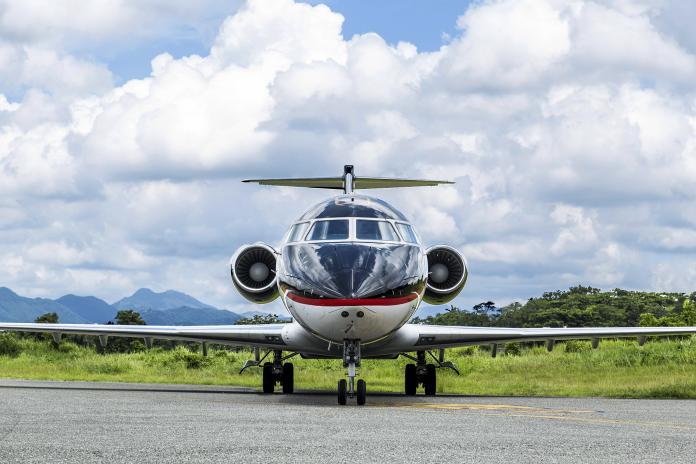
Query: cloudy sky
126	127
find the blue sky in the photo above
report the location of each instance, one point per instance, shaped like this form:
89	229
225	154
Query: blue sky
421	23
567	125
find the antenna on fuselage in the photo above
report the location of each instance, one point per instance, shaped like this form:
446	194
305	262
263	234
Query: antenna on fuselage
349	182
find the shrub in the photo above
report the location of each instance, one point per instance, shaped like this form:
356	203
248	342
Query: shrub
9	345
469	351
137	347
68	348
513	349
576	346
192	360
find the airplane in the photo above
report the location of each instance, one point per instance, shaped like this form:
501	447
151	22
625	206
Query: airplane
351	270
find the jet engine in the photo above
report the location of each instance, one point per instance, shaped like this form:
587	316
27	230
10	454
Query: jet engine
447	274
253	269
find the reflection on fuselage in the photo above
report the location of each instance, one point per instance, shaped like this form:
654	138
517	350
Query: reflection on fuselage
352	288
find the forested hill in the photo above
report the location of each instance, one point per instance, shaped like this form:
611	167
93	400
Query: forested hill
578	307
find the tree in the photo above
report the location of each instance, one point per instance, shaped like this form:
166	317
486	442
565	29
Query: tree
123	344
48	318
129	317
260	319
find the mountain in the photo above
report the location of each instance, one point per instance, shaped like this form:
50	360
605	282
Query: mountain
91	308
147	299
189	316
15	308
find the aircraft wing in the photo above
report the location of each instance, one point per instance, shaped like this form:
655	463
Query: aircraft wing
262	336
416	337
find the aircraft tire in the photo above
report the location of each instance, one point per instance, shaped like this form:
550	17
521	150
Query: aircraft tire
361	392
411	380
288	378
430	383
342	390
268	378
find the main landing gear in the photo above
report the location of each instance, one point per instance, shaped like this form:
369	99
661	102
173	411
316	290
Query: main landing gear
420	374
424	374
275	372
351	360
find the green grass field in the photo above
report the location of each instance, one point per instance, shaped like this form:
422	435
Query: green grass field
619	368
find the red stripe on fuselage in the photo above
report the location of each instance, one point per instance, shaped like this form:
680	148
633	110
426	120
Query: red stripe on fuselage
357	302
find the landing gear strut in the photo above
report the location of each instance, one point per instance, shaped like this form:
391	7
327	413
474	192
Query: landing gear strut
351	360
276	372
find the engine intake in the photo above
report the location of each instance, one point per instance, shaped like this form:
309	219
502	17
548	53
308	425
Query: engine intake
447	274
253	269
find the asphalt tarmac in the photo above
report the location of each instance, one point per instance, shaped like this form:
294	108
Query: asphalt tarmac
110	422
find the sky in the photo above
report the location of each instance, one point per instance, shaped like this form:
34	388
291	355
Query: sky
569	128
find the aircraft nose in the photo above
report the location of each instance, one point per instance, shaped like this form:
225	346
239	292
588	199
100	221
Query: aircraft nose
352	271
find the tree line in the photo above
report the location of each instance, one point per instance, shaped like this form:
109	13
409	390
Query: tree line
577	307
130	345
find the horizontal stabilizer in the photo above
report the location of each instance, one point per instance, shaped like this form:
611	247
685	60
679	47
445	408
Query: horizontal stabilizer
349	182
310	182
385	182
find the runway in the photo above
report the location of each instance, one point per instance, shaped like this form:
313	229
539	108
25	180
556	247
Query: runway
112	422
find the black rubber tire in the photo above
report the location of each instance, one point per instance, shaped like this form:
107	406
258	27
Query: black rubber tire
268	378
342	391
411	379
288	378
430	383
361	392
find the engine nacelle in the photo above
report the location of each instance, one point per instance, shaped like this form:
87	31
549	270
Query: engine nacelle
447	274
253	269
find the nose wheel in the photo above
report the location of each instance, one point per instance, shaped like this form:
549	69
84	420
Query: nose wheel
351	360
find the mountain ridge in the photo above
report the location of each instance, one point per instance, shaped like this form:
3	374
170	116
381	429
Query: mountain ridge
145	298
15	308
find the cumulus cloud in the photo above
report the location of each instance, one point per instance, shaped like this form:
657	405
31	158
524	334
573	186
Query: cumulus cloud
568	126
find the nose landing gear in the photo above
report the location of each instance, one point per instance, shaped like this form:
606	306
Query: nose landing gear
351	360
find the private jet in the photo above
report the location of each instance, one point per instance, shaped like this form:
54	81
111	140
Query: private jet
351	270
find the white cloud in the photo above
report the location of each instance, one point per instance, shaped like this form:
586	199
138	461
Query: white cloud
569	169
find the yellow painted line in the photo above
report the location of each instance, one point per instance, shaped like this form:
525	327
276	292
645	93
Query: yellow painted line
387	406
460	407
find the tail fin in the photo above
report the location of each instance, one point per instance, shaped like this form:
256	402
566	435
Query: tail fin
349	182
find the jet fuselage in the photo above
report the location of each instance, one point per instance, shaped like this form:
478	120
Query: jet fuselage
352	267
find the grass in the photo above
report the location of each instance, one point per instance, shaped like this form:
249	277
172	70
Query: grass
619	368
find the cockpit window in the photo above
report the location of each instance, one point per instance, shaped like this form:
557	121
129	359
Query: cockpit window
329	230
297	232
407	233
376	230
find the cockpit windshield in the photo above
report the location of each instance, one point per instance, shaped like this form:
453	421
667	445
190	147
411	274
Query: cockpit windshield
297	232
407	232
329	230
375	230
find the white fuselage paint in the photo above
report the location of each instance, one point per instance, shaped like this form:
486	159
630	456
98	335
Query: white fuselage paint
328	323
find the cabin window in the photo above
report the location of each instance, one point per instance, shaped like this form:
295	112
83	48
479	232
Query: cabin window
376	230
329	230
297	232
407	232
